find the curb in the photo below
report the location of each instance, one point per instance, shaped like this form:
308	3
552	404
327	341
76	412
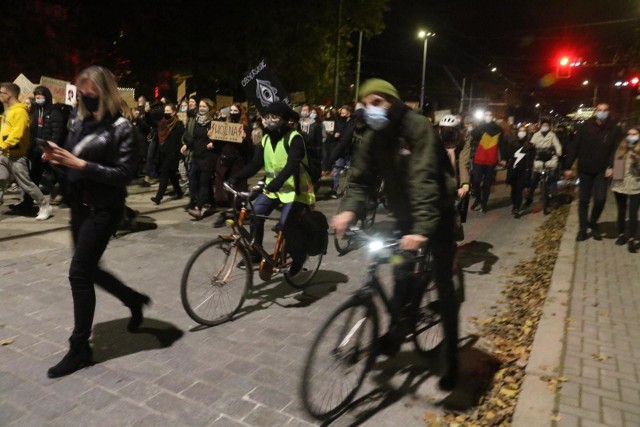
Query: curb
536	402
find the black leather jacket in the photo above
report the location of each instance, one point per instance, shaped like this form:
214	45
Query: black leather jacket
110	149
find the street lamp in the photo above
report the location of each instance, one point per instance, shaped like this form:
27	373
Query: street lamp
422	34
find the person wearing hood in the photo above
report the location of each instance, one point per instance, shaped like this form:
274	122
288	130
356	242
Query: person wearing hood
548	151
233	157
594	147
14	144
626	188
47	123
401	147
488	147
287	180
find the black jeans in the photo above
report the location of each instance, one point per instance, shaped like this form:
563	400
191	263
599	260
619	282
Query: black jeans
482	176
168	172
633	203
518	184
591	184
91	230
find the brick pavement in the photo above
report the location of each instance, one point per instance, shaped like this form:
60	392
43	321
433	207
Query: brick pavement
242	373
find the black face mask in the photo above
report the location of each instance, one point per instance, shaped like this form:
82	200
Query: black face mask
90	103
235	117
167	116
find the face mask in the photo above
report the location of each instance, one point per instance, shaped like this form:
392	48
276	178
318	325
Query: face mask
632	139
183	109
272	125
203	111
313	115
376	117
235	117
40	102
168	116
304	115
90	103
488	119
544	129
522	134
602	115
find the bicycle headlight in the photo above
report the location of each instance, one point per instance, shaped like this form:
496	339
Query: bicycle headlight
375	245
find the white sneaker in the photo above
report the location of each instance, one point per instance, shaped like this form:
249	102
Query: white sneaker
44	212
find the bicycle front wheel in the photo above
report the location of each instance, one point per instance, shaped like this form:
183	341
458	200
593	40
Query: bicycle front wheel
213	285
341	355
429	332
306	274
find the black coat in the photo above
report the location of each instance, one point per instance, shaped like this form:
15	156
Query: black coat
47	122
204	158
520	161
594	146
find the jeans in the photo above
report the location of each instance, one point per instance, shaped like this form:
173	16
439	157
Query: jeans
193	183
633	202
19	169
291	212
591	184
482	176
338	167
91	230
518	184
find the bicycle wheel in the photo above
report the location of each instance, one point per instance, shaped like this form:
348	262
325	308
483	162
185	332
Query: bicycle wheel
544	193
345	244
308	272
369	217
213	287
341	355
429	332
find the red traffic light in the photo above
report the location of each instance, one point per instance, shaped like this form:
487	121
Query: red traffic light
564	61
634	81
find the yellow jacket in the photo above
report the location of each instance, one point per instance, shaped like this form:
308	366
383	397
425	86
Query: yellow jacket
14	131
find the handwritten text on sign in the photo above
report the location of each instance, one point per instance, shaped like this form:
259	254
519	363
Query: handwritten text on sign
224	131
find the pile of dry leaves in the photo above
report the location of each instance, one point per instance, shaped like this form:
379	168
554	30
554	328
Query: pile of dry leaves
511	328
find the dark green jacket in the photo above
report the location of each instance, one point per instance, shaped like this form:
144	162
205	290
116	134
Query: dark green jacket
419	181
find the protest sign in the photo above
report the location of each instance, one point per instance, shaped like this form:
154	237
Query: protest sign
298	97
329	125
262	87
26	87
223	101
182	90
57	87
128	94
225	131
72	93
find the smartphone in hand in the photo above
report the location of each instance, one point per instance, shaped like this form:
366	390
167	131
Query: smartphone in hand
44	144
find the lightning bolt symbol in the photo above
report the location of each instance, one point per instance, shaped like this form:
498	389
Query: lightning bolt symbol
519	155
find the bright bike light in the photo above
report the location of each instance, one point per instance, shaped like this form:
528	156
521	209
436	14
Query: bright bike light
375	245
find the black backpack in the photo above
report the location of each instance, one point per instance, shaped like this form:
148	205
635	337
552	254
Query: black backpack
314	168
315	232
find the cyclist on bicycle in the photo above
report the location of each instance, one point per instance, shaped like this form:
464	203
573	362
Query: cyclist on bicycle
548	150
282	154
420	186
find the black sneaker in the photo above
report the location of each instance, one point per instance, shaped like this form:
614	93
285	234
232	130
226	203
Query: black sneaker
255	260
595	232
333	195
155	200
621	240
476	206
581	236
632	246
528	202
220	221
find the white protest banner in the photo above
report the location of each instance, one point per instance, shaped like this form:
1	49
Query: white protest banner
26	87
329	125
57	87
224	131
72	93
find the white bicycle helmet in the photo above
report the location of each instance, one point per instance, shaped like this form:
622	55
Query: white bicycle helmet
449	120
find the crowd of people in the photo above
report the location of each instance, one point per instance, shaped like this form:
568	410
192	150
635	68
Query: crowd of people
428	169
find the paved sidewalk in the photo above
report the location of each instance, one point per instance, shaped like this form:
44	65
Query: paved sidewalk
589	336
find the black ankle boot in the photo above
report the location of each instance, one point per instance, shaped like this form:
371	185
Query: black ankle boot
136	312
79	356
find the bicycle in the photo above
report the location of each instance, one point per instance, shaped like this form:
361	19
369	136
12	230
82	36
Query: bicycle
219	274
366	218
346	345
547	181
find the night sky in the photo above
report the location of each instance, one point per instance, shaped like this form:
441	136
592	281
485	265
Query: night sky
522	39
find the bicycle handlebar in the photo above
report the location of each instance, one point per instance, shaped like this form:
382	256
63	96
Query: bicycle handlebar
255	190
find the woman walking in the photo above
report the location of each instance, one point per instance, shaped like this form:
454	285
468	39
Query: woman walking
170	132
626	188
99	157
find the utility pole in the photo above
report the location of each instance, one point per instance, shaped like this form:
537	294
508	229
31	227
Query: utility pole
358	68
337	76
464	83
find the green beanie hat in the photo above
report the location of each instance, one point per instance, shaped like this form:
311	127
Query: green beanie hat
378	86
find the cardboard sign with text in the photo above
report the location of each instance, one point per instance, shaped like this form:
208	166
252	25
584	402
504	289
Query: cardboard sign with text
223	101
329	125
224	131
26	87
72	93
57	87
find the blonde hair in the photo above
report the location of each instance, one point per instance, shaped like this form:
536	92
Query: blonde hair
111	102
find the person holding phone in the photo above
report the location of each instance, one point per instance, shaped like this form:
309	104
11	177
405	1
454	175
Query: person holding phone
99	159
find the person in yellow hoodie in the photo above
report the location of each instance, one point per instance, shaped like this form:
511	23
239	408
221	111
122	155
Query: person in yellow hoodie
14	142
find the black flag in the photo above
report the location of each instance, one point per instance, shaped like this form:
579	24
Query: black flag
262	87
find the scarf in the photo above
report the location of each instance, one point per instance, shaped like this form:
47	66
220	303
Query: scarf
165	127
203	119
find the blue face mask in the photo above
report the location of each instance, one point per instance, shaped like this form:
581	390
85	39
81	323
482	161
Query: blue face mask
376	117
602	115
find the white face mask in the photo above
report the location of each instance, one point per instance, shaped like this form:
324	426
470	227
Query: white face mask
544	129
522	134
488	119
632	139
